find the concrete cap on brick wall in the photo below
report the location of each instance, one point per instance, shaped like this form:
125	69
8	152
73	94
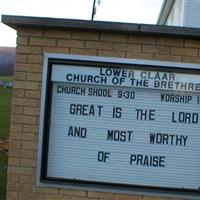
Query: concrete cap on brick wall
87	25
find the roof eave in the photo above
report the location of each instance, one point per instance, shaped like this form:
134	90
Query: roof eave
18	22
164	11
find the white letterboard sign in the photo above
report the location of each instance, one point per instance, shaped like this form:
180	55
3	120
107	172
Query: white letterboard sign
127	125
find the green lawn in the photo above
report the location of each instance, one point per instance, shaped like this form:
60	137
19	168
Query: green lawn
5	109
3	177
6	78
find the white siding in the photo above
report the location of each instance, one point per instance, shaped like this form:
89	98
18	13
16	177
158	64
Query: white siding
176	14
192	15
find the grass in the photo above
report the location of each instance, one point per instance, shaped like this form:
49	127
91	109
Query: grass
5	111
3	175
6	78
5	108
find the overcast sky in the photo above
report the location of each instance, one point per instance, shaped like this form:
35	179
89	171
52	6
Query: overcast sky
132	11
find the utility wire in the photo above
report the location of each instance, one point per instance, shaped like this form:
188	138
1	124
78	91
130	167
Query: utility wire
93	10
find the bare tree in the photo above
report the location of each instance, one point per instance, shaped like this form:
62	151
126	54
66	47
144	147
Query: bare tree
7	60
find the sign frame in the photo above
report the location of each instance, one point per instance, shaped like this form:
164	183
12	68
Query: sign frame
45	110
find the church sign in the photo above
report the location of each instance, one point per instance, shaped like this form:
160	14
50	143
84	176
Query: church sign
120	123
